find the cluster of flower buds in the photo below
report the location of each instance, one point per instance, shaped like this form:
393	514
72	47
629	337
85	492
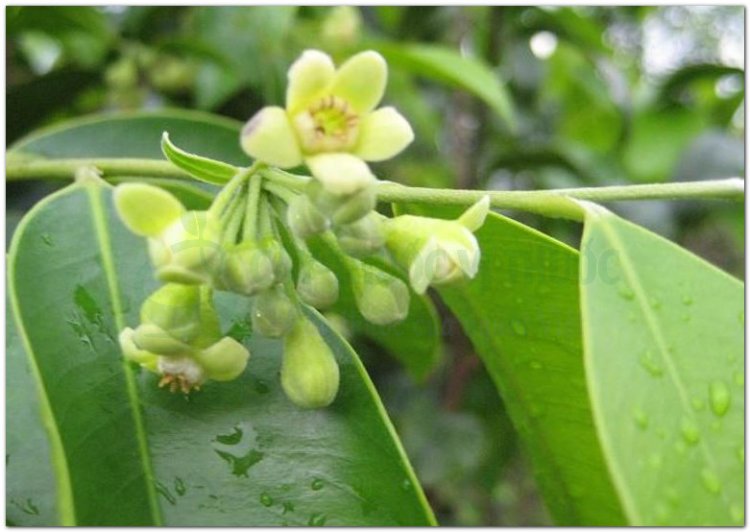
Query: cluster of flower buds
254	238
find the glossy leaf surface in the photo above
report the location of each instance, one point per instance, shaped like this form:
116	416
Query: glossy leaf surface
664	356
521	313
234	454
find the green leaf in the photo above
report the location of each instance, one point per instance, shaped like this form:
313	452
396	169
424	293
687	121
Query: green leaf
137	135
128	453
415	342
521	313
448	66
663	335
203	168
30	481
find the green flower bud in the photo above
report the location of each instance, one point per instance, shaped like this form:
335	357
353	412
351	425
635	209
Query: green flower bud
188	250
381	298
246	270
342	26
304	218
281	263
437	252
309	372
342	209
175	309
145	209
223	361
131	351
154	339
317	285
363	237
274	312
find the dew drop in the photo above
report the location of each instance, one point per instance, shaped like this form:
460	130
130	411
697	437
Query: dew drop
640	417
698	403
317	484
265	499
535	364
649	363
625	292
687	299
406	484
655	460
655	303
718	393
287	507
690	431
739	378
710	481
519	300
518	327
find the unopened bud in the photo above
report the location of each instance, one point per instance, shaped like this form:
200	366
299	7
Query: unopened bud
132	352
175	309
246	270
304	218
223	361
274	313
154	339
281	263
317	285
188	250
381	298
363	237
342	209
309	372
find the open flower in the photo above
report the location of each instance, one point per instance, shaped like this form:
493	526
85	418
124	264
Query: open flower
330	122
437	252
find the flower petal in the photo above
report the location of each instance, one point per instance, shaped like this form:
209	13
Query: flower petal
145	209
268	136
340	173
422	268
361	81
474	216
383	134
225	360
308	77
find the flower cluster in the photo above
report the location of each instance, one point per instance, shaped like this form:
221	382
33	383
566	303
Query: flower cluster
256	237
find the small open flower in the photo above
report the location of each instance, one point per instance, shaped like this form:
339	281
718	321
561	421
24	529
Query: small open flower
437	252
330	122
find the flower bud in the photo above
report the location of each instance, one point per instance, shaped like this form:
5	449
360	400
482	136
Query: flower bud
281	263
175	309
223	361
131	351
188	250
304	218
309	372
246	270
437	252
342	209
145	209
317	285
381	298
154	339
363	237
274	313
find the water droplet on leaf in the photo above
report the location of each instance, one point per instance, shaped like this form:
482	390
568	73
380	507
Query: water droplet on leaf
649	363
317	484
265	499
690	431
719	397
710	481
518	327
640	417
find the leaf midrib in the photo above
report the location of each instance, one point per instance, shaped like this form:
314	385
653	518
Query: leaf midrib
102	233
652	321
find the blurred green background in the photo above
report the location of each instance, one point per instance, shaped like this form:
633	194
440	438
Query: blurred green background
500	98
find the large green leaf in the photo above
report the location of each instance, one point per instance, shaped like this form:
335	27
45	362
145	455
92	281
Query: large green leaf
663	334
522	315
30	482
448	66
137	135
128	453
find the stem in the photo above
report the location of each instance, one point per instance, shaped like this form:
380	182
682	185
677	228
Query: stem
555	202
249	229
546	202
